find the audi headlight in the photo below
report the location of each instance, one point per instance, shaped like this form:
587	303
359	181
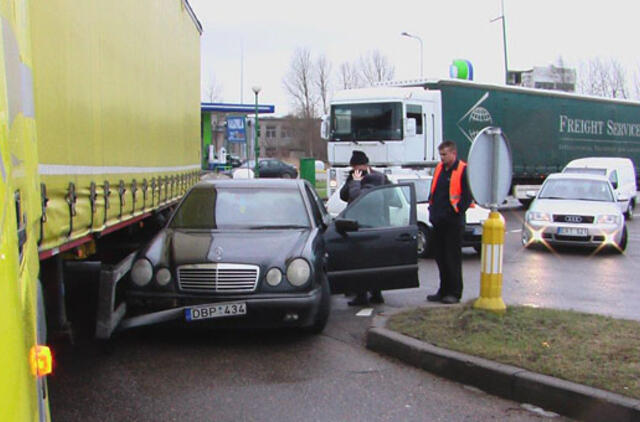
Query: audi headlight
298	272
141	272
538	216
163	276
607	219
274	277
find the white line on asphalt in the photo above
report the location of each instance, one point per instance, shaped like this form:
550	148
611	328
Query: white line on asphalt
515	231
365	312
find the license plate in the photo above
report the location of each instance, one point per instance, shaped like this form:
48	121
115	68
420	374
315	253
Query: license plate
573	231
215	310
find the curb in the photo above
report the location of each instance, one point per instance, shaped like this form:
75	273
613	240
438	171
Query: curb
566	398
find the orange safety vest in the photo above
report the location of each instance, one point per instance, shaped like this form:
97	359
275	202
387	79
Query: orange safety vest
455	186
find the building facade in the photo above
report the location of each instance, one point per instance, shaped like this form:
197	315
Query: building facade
551	77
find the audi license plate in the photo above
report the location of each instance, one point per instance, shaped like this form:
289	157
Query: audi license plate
215	310
573	231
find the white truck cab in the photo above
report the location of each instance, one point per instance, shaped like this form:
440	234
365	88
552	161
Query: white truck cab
620	172
396	127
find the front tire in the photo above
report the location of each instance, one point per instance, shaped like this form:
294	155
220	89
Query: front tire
622	245
629	214
324	309
424	240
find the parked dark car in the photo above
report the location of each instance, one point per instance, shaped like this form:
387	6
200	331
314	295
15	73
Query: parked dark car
273	168
259	253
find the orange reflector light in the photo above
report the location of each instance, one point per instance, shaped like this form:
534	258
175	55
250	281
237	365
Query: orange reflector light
40	360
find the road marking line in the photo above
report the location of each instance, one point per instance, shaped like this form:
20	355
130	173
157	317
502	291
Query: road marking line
515	231
365	312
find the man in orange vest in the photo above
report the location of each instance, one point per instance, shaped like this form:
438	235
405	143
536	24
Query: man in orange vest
450	197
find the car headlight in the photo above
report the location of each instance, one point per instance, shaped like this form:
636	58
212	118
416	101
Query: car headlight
163	276
607	219
274	277
298	272
141	272
538	216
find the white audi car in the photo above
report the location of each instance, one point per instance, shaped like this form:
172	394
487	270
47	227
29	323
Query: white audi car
575	209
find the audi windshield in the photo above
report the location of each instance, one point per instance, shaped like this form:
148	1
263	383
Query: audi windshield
366	122
578	189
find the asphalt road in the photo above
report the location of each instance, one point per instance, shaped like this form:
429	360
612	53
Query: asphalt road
172	373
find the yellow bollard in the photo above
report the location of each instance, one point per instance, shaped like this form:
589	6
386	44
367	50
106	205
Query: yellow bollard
491	272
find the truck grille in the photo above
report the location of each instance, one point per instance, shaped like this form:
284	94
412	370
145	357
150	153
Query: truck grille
574	219
218	278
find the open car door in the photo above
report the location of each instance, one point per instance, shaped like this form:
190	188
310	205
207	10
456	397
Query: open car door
372	243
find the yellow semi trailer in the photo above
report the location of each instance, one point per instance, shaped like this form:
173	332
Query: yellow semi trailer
99	131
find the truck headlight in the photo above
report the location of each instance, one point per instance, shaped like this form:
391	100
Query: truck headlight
163	276
141	272
298	272
538	216
607	219
274	277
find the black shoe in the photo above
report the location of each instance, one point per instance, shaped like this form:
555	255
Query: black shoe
434	298
376	297
450	300
359	300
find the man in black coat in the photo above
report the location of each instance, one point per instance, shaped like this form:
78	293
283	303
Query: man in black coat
360	178
450	197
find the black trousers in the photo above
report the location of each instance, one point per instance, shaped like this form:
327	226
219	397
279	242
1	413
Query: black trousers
447	243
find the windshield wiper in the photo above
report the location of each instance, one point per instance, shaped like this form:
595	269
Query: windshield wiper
552	197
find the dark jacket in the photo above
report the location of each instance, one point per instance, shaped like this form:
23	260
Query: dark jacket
441	211
353	188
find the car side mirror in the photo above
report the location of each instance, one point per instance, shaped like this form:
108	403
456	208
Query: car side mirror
411	127
344	225
324	127
623	197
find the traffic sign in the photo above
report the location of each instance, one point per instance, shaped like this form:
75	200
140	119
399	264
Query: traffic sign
489	167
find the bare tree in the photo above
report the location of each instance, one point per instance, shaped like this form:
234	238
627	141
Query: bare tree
373	67
298	83
213	92
566	76
323	81
604	78
348	76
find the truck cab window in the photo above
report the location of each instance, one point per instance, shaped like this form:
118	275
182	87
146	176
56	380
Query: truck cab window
415	112
366	122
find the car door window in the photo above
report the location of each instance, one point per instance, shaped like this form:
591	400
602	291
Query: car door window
381	208
317	214
613	178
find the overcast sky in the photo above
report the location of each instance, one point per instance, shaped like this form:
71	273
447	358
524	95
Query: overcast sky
538	32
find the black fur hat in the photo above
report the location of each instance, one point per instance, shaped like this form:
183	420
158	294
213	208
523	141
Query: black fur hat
358	157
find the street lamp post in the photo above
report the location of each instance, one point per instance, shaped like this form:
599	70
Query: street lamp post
406	34
256	146
504	42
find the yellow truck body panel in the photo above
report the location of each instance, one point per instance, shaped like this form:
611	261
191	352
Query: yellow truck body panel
23	396
117	100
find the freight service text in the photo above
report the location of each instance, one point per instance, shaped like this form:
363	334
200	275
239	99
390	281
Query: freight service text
597	127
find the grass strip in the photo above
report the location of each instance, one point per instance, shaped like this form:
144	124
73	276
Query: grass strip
594	350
